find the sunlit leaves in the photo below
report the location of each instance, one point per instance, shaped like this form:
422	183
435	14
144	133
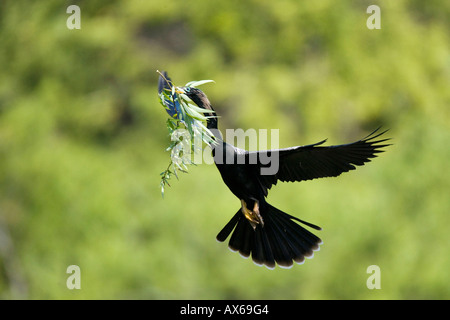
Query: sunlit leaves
185	127
197	83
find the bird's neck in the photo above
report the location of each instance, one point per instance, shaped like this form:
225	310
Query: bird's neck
212	125
212	122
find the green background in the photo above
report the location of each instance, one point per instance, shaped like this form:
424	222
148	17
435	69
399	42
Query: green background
83	138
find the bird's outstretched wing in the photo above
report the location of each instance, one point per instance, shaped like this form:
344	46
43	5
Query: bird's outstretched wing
316	161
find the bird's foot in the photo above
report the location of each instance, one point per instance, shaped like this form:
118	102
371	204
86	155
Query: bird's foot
253	216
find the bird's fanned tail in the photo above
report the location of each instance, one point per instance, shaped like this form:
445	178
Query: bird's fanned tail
279	241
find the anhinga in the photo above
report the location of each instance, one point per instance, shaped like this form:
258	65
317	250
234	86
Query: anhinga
268	234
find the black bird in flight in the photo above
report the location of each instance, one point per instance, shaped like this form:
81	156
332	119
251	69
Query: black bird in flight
268	234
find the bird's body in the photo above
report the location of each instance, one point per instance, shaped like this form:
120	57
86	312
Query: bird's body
238	177
268	234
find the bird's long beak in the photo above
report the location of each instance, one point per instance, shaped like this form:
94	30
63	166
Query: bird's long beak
179	90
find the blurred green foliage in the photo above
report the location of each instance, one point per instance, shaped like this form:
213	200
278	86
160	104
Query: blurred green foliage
82	140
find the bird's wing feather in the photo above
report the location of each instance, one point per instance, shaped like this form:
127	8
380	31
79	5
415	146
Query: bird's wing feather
316	161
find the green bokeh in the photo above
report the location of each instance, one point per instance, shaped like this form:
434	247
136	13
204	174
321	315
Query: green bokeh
82	140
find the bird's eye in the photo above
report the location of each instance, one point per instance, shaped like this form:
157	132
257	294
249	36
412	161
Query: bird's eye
187	89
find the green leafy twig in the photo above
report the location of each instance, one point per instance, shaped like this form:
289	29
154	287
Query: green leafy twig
187	116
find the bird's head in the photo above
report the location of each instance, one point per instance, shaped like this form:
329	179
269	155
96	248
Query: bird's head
201	100
196	95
